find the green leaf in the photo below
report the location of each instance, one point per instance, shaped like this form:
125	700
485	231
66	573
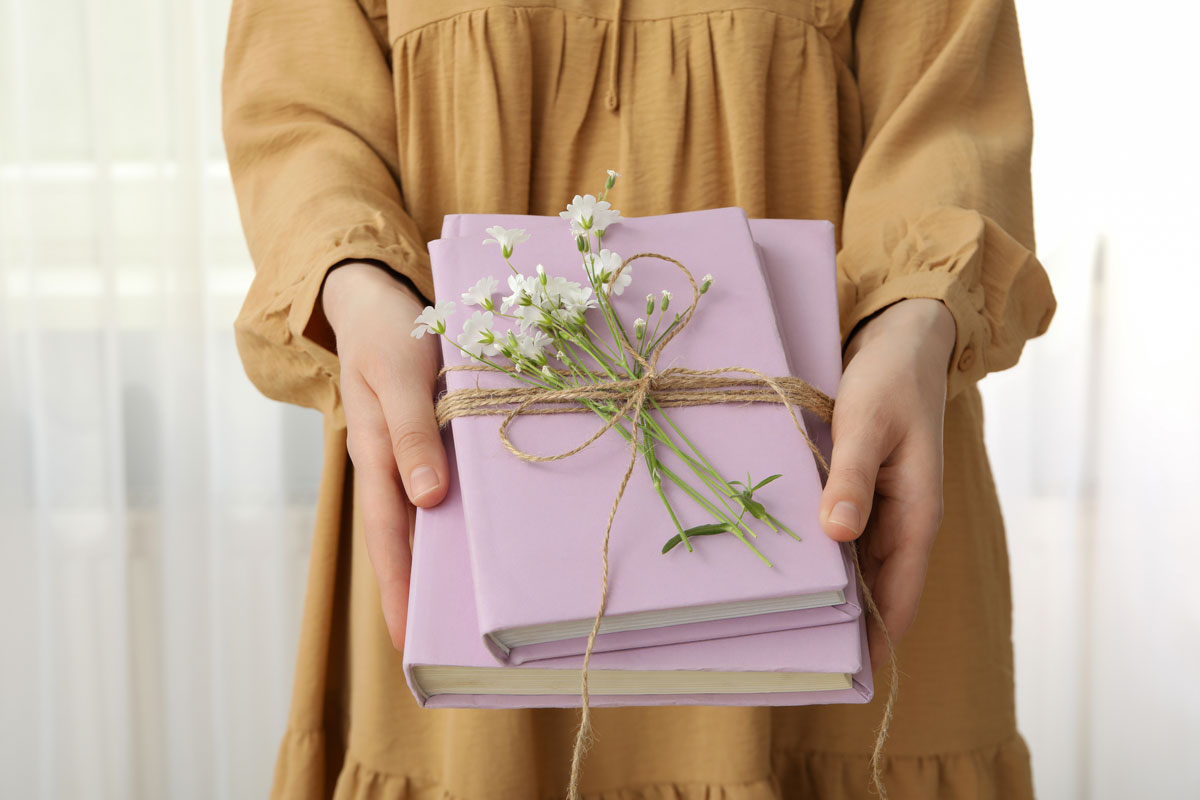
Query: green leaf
699	530
755	508
765	481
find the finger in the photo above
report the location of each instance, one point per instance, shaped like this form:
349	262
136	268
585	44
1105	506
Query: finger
385	510
407	401
898	542
854	466
896	588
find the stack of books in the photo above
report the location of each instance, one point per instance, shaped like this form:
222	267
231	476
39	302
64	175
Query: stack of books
506	575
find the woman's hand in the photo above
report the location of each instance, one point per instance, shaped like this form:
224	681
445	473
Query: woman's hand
885	479
388	381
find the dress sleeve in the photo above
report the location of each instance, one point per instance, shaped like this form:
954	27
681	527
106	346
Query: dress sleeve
940	203
310	132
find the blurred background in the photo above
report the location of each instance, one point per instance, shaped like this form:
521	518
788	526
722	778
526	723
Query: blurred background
155	511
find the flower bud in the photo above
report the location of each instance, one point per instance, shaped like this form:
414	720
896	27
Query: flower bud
541	271
546	373
705	282
581	242
639	328
649	304
666	300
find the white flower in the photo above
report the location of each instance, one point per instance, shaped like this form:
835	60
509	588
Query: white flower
433	319
586	214
549	292
519	285
532	345
477	337
481	293
528	315
577	299
612	173
506	238
556	287
605	266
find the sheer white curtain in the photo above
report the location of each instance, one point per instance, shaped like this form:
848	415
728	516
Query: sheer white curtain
1094	436
155	511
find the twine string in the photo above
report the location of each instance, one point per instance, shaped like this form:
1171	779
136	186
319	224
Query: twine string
675	386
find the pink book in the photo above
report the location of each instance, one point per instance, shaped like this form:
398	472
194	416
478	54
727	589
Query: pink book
798	259
448	666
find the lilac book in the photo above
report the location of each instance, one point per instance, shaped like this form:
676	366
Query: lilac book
448	666
520	606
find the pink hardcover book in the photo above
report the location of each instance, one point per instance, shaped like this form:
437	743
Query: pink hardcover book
447	665
798	259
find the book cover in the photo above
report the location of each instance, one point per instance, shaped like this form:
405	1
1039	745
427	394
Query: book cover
447	665
797	257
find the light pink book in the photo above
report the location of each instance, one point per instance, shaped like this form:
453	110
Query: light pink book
447	665
798	258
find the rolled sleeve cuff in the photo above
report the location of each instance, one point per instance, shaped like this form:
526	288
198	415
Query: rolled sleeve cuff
967	363
296	361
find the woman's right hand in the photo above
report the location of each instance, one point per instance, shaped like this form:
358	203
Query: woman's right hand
388	381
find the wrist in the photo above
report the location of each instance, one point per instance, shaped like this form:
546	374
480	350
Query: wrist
927	324
349	283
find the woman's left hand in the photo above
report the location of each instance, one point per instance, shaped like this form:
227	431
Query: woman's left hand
885	479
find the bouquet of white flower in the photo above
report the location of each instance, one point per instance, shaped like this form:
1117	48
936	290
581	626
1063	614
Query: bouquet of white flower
550	313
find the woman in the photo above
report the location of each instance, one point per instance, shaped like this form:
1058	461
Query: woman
353	127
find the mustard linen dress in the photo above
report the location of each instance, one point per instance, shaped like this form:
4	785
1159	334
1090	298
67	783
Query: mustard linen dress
352	129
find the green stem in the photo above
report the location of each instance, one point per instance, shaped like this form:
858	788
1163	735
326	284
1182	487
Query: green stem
711	468
734	522
611	351
610	315
708	474
652	465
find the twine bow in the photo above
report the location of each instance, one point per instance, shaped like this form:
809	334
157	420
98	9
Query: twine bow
674	386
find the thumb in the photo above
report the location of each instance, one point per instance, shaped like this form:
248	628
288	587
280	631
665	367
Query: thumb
416	441
846	501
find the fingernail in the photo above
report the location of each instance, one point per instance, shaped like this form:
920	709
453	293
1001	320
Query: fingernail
422	481
845	514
